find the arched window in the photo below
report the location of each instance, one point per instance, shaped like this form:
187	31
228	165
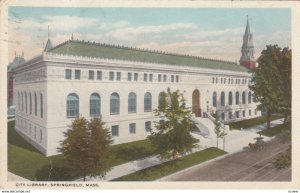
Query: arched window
132	102
42	108
237	98
147	102
95	102
161	99
19	107
114	103
72	105
249	97
30	103
230	98
222	99
244	97
26	102
214	99
35	104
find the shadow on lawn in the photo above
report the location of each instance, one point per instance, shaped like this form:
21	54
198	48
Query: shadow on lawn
58	173
131	153
15	139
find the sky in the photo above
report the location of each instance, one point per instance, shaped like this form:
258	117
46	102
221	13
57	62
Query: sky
207	32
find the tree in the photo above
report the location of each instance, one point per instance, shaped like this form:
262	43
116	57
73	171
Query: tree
268	80
220	133
172	135
100	140
217	130
286	86
85	147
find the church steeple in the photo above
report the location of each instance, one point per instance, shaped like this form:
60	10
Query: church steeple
247	59
49	43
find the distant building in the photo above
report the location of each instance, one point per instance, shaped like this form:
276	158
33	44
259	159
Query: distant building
247	59
123	86
10	77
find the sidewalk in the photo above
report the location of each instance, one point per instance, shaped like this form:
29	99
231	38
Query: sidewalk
14	177
236	140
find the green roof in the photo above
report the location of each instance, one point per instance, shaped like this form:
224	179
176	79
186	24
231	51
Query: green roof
97	50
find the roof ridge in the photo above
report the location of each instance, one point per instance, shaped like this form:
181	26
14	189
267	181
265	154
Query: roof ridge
139	49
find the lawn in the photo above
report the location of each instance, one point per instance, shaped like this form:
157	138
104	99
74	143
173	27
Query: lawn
167	168
251	122
24	160
279	129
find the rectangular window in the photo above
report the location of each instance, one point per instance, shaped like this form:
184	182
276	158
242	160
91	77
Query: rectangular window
148	126
29	129
145	77
77	74
165	78
34	132
177	78
68	74
255	112
221	80
99	75
118	76
216	80
41	136
150	77
135	76
132	128
91	75
159	78
230	115
111	75
172	78
129	76
115	130
249	112
237	114
244	113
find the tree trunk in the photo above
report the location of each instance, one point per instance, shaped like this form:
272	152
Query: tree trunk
285	118
174	154
217	142
268	119
223	143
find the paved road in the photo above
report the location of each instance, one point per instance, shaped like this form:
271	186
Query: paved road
248	165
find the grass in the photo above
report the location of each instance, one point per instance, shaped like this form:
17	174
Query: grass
273	131
170	167
25	161
251	122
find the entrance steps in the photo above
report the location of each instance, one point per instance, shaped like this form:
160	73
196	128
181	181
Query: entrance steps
205	127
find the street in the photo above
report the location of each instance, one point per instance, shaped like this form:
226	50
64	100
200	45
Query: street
248	165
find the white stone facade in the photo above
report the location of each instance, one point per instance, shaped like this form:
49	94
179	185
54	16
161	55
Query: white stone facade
45	77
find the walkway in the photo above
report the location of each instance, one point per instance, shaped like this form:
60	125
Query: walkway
235	141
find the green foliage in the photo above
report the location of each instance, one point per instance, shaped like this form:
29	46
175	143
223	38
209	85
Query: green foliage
283	131
283	161
85	147
270	82
173	166
251	122
172	135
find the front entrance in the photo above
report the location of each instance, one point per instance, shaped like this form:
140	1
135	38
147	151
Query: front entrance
196	103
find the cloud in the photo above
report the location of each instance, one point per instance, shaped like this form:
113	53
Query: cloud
133	33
